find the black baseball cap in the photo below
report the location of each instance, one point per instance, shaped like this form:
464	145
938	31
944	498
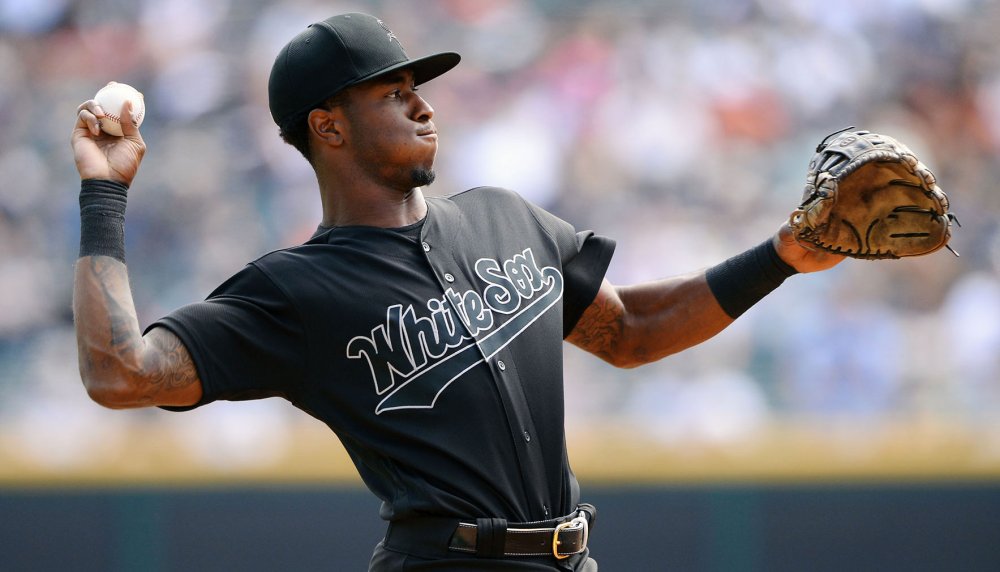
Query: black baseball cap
336	53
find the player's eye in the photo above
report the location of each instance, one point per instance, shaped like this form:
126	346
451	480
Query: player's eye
398	93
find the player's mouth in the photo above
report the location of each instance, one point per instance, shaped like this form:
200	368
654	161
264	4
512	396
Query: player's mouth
428	133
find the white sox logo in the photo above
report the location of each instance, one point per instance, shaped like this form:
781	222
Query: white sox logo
413	359
388	32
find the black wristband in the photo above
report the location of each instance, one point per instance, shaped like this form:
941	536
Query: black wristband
102	218
743	280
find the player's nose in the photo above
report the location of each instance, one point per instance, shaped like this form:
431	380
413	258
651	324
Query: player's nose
422	110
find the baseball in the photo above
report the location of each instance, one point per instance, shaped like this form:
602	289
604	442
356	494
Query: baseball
111	98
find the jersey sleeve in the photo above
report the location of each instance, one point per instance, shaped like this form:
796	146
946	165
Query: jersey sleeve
585	259
246	340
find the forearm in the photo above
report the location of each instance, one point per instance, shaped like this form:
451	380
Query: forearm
633	325
107	330
667	316
682	312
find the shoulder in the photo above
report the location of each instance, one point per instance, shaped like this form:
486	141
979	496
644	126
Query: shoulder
317	246
491	202
502	213
266	273
497	201
485	195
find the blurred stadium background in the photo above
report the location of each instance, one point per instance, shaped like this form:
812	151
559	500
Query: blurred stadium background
849	421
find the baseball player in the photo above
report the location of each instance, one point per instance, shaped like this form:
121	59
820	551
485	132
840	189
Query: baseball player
425	332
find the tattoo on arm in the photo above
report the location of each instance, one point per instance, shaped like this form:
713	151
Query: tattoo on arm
169	365
600	326
124	326
107	329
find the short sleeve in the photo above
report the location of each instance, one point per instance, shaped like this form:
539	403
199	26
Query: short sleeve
585	259
246	340
584	274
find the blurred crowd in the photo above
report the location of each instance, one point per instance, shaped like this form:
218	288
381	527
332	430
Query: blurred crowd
681	129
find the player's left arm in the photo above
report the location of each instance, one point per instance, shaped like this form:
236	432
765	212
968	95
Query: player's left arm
629	326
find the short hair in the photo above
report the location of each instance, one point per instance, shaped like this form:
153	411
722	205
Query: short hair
295	131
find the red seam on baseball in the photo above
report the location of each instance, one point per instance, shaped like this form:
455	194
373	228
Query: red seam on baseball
118	119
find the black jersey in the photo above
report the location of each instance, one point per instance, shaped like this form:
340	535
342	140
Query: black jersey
437	361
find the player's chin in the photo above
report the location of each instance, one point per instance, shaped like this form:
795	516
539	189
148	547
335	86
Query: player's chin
422	176
423	169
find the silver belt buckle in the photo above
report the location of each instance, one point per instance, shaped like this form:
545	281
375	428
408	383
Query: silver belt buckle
578	522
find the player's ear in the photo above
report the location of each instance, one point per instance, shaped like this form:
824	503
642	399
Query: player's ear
327	125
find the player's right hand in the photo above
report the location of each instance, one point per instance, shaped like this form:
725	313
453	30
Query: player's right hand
102	156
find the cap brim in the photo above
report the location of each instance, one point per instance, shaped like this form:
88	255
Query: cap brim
424	69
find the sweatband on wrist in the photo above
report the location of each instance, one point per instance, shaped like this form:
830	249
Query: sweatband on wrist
744	280
102	218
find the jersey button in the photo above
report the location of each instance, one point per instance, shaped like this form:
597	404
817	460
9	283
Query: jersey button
427	247
527	437
449	278
501	365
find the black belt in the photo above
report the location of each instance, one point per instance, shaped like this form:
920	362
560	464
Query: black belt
493	537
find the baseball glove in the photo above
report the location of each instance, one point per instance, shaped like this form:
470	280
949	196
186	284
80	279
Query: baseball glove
867	196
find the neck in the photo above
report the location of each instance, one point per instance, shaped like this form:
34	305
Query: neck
349	202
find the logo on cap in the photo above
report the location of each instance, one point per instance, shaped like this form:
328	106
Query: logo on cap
388	32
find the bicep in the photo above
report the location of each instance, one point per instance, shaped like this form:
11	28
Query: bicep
168	375
600	327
